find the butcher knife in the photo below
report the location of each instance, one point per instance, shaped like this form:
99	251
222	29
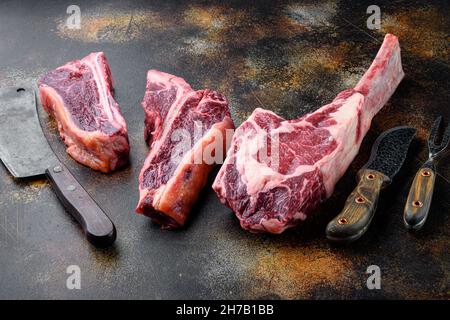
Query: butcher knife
26	154
387	157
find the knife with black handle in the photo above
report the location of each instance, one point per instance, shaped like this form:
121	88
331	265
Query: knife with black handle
26	153
387	157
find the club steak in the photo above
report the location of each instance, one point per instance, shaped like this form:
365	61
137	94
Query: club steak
79	95
274	192
168	186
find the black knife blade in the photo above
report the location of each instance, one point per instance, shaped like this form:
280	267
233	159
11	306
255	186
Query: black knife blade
389	150
387	157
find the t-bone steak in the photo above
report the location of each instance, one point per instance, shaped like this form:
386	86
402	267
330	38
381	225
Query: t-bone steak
79	95
183	127
277	171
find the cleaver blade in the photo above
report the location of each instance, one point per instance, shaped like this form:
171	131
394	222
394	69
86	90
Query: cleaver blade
23	148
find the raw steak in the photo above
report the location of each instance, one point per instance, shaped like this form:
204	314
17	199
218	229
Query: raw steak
277	171
79	96
183	127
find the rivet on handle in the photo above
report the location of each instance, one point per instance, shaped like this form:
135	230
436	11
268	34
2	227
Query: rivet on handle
342	221
426	173
370	176
57	169
360	200
417	204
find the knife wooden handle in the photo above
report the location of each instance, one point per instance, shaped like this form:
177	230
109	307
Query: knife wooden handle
419	197
99	229
359	208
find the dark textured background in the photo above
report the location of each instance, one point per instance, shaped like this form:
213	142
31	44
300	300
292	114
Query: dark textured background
285	56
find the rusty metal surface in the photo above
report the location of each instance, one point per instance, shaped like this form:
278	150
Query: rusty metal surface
285	56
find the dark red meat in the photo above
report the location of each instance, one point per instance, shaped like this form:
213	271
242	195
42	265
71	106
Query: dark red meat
182	127
79	95
277	171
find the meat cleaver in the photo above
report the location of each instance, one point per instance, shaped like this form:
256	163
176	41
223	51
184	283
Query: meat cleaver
26	154
386	159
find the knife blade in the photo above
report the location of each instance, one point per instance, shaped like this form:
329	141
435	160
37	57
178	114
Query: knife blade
26	153
387	157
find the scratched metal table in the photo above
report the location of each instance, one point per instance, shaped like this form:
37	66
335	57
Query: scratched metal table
285	56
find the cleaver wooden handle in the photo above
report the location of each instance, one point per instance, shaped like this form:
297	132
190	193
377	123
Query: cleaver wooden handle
99	229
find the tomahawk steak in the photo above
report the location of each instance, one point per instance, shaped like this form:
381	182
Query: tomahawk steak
79	95
277	171
187	132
